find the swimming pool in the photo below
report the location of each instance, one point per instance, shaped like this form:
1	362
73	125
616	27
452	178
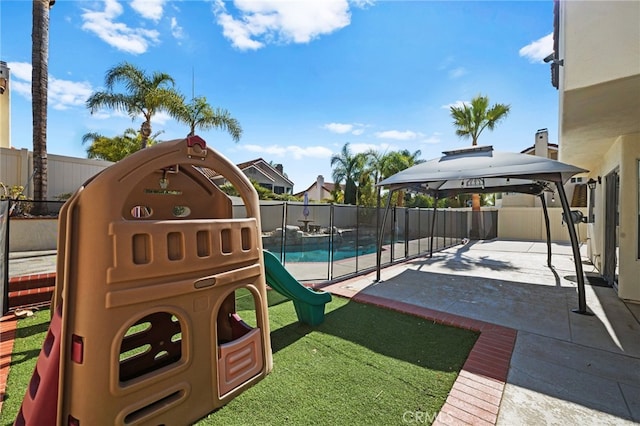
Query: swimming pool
322	255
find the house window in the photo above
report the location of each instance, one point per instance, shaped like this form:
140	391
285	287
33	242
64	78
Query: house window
278	189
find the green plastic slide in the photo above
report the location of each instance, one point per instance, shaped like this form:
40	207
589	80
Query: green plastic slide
309	304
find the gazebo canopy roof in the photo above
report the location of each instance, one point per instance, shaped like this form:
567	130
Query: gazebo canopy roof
480	169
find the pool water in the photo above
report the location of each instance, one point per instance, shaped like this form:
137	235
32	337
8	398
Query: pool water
323	255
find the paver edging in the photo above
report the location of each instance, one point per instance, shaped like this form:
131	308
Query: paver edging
8	326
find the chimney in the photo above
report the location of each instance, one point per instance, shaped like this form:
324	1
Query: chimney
542	143
280	169
319	185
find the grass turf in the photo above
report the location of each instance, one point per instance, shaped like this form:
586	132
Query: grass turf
26	347
363	365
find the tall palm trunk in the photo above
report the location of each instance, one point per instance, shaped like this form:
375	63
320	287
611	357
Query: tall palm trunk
39	86
145	132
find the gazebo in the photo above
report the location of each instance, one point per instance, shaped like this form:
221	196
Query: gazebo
480	169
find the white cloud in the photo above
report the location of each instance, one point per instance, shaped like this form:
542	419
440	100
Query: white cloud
149	9
457	72
107	114
261	22
339	128
358	148
343	128
161	118
117	34
446	62
457	104
20	70
398	135
433	139
62	94
20	78
176	30
362	4
538	50
297	152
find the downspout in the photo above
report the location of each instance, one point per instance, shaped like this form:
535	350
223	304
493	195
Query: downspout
582	303
381	237
546	224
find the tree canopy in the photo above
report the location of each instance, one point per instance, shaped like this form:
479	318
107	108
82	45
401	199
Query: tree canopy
143	95
115	148
198	114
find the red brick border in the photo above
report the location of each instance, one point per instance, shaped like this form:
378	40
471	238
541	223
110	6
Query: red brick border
31	290
7	336
24	291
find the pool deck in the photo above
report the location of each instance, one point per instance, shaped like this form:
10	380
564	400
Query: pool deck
536	362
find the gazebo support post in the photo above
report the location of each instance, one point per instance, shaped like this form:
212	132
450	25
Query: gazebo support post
433	225
582	303
381	237
546	224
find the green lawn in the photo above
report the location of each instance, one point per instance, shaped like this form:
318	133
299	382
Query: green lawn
363	365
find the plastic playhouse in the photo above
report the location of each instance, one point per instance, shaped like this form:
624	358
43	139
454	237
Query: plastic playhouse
144	327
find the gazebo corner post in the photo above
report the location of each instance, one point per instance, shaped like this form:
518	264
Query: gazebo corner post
433	224
582	303
547	228
381	237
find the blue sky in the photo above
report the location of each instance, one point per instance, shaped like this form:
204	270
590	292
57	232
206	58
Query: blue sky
302	77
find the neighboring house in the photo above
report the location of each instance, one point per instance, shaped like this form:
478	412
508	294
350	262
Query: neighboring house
596	69
319	190
576	188
267	176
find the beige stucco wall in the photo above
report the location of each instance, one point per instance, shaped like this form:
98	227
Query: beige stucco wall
602	37
33	234
65	174
623	155
610	161
628	282
527	223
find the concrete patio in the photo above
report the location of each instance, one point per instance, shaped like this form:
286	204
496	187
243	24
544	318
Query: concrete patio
566	368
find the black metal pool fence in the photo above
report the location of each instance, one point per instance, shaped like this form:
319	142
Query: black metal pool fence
331	241
334	241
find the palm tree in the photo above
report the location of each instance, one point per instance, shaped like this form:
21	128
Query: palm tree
199	114
395	162
347	167
470	120
116	148
144	95
39	87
